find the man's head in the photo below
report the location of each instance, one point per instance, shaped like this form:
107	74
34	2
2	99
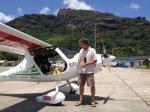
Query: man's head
84	43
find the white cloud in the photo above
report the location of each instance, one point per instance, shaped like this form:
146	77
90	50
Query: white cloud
134	6
45	10
77	4
5	18
55	12
19	10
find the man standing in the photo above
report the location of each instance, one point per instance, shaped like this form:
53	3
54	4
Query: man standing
87	62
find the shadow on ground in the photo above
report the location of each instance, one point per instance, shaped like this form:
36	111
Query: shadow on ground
30	104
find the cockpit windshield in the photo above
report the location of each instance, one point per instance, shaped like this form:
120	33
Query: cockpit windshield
48	60
69	53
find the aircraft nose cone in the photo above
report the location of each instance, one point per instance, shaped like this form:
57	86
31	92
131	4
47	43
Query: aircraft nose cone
112	57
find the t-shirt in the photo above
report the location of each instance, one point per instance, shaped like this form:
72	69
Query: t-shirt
88	56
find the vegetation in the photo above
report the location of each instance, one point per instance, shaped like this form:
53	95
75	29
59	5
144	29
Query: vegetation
121	36
9	56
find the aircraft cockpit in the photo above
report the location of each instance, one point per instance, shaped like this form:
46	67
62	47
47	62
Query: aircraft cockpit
49	61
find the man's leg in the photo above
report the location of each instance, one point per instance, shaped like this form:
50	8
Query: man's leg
81	92
91	83
93	93
81	83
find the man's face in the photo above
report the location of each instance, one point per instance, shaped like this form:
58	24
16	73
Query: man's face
83	45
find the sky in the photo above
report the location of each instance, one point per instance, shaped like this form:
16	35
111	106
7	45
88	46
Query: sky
10	9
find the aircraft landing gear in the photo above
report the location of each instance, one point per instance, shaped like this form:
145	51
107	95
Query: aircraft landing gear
54	97
69	88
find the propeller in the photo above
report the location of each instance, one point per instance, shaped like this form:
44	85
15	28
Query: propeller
104	49
105	58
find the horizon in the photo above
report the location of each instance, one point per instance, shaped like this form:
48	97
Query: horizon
78	10
10	10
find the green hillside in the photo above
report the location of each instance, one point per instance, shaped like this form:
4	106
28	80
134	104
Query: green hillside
121	36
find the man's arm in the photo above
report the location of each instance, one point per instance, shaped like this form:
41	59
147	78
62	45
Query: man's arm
79	59
89	63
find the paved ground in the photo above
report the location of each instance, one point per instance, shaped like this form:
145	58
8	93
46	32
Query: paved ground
122	90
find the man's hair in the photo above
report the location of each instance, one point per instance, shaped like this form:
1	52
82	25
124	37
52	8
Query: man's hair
84	41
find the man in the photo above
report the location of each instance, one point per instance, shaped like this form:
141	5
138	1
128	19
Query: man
87	62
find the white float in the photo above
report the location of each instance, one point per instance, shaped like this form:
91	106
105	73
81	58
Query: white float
54	97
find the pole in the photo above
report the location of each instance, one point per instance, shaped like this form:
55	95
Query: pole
95	38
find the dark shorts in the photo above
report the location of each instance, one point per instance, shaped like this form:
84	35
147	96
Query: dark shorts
88	78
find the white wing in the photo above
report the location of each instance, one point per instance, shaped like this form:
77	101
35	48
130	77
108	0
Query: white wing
12	40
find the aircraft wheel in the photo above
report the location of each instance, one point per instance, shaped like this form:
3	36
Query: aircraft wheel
72	92
72	88
58	104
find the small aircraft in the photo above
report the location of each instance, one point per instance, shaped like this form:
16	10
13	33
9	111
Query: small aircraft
42	63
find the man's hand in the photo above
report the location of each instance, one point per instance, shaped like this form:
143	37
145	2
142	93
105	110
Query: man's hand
83	65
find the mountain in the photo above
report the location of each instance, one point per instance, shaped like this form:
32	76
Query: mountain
122	36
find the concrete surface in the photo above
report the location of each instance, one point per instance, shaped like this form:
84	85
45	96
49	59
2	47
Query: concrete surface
122	90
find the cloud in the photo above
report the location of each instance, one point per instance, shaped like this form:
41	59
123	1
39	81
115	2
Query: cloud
45	10
19	10
55	12
5	18
134	6
77	4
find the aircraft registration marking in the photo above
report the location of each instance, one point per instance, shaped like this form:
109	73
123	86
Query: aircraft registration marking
46	98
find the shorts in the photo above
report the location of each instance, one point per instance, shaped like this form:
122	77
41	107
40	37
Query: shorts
88	78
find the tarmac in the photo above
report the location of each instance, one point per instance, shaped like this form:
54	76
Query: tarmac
121	90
